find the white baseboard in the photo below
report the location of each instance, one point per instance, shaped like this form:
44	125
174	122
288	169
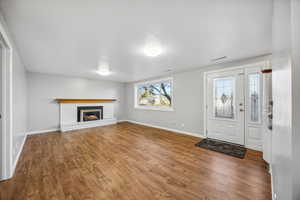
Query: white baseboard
168	129
42	131
122	120
254	147
18	155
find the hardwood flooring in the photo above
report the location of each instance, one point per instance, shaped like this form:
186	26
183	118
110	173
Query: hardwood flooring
132	162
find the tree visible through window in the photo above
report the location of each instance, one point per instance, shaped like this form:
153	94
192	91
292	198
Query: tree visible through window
157	94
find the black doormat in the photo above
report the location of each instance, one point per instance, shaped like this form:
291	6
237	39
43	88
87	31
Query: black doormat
231	149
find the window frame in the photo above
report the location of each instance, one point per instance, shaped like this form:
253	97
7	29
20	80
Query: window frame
156	108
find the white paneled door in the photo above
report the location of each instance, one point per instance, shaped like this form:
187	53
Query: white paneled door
225	106
233	103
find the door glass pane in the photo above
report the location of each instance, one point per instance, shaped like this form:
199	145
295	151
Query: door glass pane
254	96
224	89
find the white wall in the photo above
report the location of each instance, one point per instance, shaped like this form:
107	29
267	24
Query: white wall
43	110
19	104
296	96
286	89
19	98
188	101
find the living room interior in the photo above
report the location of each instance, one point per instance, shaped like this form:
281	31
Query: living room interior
149	99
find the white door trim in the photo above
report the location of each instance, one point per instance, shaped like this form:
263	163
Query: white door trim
264	64
6	132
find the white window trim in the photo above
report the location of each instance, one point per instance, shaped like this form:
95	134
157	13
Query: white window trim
156	108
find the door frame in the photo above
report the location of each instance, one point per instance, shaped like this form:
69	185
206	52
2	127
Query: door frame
263	64
6	144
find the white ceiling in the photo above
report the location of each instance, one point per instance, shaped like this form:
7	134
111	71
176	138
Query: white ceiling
71	37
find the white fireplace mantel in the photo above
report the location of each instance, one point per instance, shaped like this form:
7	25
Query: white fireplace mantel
68	116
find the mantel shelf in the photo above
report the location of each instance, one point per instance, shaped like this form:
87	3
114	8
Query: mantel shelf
85	100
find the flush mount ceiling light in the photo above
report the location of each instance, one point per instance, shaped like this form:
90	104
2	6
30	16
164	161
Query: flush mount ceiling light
152	50
103	69
153	47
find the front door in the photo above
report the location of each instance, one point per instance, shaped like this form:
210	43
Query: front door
225	106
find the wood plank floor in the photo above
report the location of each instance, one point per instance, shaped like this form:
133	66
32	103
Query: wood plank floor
128	162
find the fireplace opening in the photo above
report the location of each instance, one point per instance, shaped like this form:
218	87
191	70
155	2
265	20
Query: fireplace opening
89	113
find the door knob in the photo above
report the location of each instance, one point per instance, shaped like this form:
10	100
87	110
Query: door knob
241	110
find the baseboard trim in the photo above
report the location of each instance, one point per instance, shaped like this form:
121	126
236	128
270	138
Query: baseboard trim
254	147
42	131
167	129
122	120
18	155
272	181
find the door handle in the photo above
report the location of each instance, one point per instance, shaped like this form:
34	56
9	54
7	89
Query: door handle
241	110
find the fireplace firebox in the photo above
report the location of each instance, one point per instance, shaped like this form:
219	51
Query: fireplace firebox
89	113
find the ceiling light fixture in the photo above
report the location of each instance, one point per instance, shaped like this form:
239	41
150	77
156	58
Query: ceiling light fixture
153	47
152	50
103	69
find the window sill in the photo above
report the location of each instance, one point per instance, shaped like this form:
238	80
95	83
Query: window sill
154	108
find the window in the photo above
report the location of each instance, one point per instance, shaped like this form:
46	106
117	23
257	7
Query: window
155	95
224	97
254	97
